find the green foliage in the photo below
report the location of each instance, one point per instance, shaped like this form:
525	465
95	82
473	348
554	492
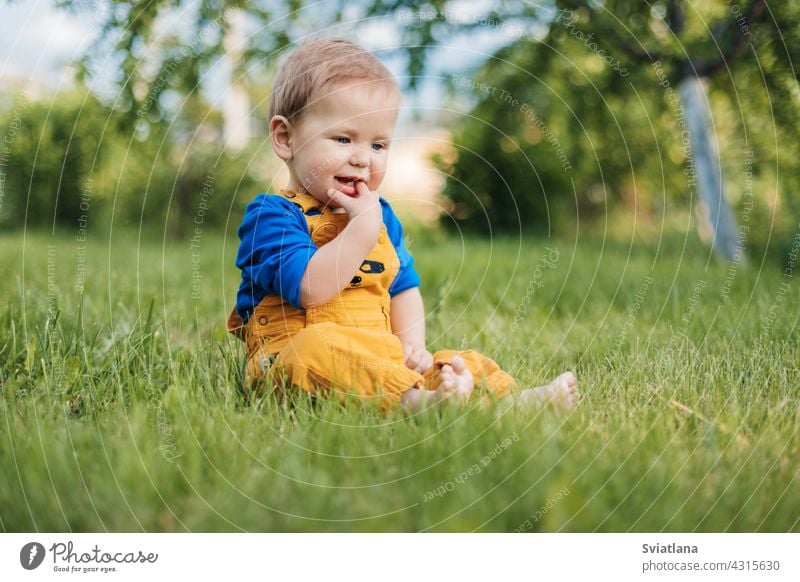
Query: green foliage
177	56
550	142
52	150
172	177
77	163
759	105
569	123
577	121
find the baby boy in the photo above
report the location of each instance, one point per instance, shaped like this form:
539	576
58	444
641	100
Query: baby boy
329	301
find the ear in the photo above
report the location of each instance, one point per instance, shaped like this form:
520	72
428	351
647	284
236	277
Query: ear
280	132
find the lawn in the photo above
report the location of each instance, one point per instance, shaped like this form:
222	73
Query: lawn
121	410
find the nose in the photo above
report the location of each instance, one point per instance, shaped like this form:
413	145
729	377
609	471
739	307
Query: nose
359	156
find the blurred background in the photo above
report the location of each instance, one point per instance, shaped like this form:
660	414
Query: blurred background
559	118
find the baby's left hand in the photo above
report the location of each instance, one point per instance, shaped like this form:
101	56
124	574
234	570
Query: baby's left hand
418	358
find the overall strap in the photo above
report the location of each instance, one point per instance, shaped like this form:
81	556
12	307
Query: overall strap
302	200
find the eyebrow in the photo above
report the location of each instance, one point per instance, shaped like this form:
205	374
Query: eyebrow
351	131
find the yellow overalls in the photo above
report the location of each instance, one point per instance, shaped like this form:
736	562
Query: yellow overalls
346	346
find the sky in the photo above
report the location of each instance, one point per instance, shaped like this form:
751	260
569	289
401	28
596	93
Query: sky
36	40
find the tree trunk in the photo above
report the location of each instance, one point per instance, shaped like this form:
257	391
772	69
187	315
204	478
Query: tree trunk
707	168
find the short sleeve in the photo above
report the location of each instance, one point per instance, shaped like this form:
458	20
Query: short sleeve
407	277
274	252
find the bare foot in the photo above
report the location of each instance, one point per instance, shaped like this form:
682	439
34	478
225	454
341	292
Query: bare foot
562	393
457	382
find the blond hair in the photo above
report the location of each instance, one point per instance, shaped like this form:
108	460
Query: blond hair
318	65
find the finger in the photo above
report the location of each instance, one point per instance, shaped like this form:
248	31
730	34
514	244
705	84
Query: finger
362	188
413	361
423	362
338	197
406	351
413	367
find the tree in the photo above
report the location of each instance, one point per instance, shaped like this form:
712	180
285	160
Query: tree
171	139
723	46
690	64
661	44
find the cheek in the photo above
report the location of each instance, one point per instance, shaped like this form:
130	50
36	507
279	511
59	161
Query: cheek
378	167
329	159
321	163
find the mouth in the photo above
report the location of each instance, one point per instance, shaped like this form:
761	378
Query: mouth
347	184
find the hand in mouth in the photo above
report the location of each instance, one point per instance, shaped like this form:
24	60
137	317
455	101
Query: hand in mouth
347	184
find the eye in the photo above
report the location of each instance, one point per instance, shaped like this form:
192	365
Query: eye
342	139
378	147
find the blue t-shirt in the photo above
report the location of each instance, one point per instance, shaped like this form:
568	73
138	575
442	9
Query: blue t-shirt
276	247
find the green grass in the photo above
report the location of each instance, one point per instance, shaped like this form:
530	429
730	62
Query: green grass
120	410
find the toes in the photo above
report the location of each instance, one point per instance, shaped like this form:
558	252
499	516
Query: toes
567	379
459	365
571	400
448	378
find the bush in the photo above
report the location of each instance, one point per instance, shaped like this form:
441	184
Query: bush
75	157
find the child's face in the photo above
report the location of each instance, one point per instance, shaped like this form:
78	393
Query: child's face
343	137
